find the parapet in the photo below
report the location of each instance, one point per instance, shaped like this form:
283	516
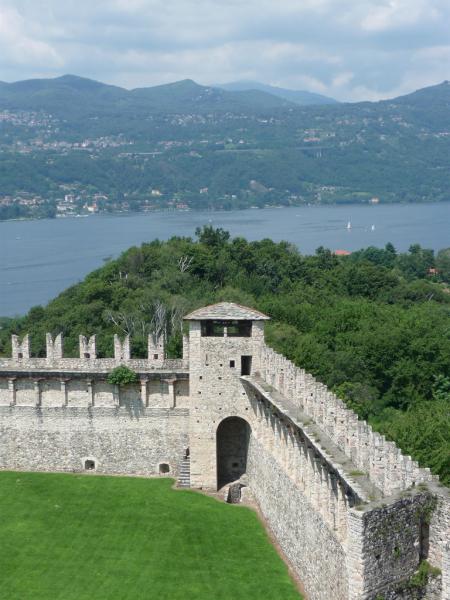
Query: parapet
21	359
381	460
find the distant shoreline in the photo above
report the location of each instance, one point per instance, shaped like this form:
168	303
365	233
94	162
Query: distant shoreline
224	210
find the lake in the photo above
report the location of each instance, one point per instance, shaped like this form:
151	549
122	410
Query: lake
38	259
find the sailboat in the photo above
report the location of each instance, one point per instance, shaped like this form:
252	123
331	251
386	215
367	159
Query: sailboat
349	225
372	228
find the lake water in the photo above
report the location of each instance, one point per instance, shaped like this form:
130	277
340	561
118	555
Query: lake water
38	259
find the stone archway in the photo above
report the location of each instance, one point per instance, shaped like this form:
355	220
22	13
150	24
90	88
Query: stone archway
232	441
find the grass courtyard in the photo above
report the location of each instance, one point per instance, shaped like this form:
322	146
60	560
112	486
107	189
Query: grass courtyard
75	537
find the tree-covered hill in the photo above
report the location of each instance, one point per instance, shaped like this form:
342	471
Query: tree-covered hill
374	326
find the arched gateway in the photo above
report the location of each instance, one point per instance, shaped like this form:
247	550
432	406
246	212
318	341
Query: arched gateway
232	440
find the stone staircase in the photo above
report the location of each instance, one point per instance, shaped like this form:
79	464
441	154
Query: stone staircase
184	477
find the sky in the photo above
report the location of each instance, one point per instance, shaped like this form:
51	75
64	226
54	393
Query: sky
348	49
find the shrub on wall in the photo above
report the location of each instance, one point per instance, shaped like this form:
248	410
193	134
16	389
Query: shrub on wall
122	376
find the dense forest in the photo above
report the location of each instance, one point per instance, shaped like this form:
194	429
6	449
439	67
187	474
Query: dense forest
374	326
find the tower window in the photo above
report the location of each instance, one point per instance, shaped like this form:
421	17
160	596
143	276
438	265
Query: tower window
213	328
239	329
232	364
233	328
89	465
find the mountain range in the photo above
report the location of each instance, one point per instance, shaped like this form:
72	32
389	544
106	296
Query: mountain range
70	95
85	95
203	146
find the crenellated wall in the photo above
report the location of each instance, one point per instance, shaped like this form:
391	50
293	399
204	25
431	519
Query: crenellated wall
385	529
21	359
383	462
368	545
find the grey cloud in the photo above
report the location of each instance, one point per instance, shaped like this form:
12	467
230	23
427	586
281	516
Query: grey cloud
338	47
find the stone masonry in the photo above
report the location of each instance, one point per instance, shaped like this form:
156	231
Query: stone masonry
353	515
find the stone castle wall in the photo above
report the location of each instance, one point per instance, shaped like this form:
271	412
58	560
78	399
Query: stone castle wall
116	440
292	469
303	534
56	421
386	545
21	359
401	484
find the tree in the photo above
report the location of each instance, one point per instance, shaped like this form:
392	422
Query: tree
210	236
417	262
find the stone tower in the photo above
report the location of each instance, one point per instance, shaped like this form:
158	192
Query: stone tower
226	341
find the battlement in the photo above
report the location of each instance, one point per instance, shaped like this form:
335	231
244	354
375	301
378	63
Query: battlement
382	461
88	362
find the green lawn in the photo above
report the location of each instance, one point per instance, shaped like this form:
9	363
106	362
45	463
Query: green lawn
75	537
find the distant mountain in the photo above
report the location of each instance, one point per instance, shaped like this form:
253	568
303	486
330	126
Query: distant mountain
205	147
80	96
185	94
432	95
59	95
297	96
428	106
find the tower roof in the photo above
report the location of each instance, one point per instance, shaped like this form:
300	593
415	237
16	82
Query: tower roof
226	311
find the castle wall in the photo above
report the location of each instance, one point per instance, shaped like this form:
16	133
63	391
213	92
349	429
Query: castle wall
386	546
431	592
315	553
57	425
439	538
378	545
89	365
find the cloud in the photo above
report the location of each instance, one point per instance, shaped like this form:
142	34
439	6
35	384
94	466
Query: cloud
399	14
18	48
351	50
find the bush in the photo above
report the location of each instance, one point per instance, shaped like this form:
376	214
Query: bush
420	578
122	376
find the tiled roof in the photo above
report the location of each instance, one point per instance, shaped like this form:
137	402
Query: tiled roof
226	311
